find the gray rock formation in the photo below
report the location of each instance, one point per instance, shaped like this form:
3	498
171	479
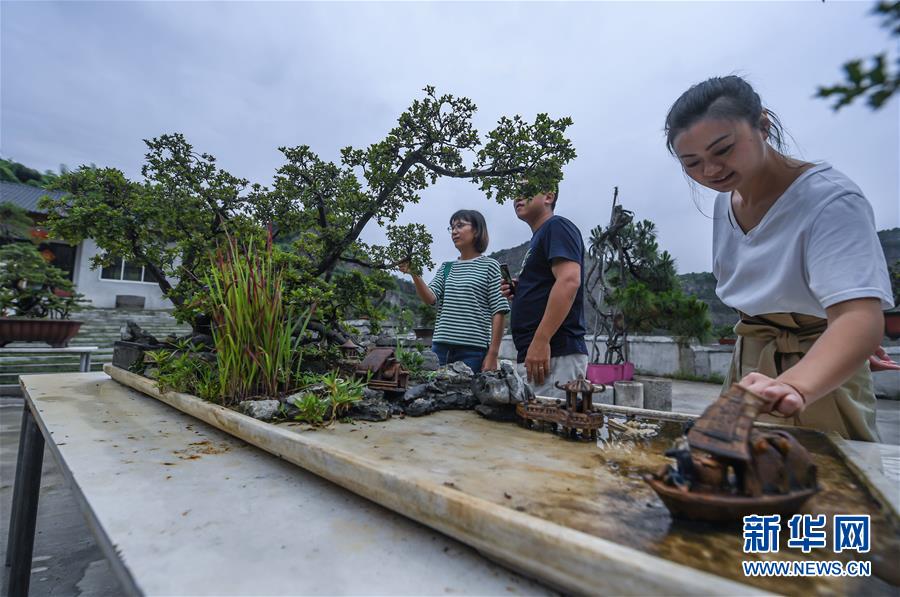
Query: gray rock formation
498	392
372	407
264	410
431	361
451	389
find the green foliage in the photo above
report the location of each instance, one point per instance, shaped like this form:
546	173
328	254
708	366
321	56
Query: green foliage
11	171
169	223
873	78
312	409
330	396
427	315
257	336
411	360
185	204
185	372
15	223
632	286
723	331
31	287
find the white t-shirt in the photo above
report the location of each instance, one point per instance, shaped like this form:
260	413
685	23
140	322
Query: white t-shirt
815	247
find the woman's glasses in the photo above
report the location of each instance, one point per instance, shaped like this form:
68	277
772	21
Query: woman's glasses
457	226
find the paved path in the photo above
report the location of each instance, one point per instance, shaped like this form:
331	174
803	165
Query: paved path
68	562
692	397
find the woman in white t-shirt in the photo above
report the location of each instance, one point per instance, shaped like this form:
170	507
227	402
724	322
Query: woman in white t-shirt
795	252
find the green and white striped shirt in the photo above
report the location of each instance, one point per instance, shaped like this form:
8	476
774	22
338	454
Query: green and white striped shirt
468	303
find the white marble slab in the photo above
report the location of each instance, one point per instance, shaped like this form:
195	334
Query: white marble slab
182	508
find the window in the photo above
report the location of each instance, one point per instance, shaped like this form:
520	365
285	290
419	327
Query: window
127	272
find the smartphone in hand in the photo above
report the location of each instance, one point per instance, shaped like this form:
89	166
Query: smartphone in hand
507	277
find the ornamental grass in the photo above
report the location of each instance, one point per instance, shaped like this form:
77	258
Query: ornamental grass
257	335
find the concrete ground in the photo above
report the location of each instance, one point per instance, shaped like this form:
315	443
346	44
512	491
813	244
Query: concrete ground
692	397
67	561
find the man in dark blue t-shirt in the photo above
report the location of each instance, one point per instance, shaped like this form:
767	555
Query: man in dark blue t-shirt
547	300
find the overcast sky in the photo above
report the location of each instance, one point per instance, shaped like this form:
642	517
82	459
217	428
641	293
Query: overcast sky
85	82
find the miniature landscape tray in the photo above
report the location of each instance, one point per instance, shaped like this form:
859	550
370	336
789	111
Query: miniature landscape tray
575	515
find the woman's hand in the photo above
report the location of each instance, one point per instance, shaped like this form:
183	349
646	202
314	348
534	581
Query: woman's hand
784	400
403	266
490	362
881	361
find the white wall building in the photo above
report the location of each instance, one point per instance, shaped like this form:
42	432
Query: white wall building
121	285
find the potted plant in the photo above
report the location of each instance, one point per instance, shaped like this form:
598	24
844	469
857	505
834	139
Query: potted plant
36	299
725	334
632	285
427	315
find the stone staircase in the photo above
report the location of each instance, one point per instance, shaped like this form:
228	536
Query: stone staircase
101	328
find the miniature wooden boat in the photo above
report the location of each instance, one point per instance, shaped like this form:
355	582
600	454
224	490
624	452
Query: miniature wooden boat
717	507
725	469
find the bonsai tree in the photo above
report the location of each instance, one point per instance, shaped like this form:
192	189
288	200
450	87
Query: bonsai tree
724	331
15	223
31	287
631	285
316	210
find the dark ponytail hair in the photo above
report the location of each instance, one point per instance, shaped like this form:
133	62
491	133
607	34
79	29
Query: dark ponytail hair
727	98
476	220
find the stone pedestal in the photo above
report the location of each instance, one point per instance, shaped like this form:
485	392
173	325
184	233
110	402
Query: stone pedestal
629	393
657	392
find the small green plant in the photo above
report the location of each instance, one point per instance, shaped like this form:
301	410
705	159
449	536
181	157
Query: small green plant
412	361
183	372
329	398
312	409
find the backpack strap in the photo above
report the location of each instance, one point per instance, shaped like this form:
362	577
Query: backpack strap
445	273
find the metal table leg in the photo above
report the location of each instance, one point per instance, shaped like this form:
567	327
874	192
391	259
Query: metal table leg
17	488
25	505
85	362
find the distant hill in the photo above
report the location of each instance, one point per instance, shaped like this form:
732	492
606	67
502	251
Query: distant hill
512	257
890	243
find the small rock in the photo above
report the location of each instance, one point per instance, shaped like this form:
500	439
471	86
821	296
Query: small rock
431	361
519	391
264	410
415	392
370	409
132	332
385	340
203	340
370	394
490	388
455	401
420	407
506	412
151	372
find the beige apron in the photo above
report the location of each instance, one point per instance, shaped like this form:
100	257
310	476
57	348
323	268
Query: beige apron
772	343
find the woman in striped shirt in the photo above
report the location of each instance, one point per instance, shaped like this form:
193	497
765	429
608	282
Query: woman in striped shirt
471	310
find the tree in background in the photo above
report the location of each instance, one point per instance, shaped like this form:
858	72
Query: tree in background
632	286
185	205
11	171
15	223
874	78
